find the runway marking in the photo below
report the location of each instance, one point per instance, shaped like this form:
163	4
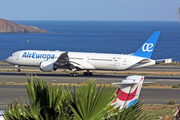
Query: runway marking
167	80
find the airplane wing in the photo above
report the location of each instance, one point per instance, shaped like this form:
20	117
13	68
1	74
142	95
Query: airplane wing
63	62
77	65
63	59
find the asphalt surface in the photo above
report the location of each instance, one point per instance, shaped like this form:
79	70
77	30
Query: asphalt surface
8	93
150	68
100	78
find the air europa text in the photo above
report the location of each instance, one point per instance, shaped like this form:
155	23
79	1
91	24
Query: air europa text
38	56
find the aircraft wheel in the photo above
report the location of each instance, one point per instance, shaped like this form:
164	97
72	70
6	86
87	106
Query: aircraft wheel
90	73
71	74
85	74
77	74
18	70
74	74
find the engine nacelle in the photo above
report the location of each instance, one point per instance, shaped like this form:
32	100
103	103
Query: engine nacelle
46	66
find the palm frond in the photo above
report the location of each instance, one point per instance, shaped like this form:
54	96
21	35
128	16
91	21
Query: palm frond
89	102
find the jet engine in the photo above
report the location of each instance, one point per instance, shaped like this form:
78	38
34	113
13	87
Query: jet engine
47	66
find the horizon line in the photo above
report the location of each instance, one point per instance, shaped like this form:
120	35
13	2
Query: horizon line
105	20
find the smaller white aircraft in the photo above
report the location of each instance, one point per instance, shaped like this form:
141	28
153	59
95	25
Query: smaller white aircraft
129	91
49	61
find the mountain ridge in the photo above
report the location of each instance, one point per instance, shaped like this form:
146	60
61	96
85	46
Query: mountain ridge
7	26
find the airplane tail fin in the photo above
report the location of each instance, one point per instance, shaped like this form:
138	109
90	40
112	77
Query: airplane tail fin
128	91
147	48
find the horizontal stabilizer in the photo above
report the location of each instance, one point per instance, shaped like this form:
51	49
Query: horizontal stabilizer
124	83
168	60
127	82
132	83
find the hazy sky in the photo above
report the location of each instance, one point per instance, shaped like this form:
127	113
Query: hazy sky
119	10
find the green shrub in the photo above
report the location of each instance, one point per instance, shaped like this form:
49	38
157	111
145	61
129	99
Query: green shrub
146	85
172	102
175	86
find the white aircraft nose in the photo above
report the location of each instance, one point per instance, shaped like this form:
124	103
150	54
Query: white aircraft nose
9	60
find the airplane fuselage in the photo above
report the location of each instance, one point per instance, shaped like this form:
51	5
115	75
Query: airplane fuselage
86	61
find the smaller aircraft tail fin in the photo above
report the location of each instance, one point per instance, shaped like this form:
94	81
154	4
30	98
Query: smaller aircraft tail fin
128	91
147	48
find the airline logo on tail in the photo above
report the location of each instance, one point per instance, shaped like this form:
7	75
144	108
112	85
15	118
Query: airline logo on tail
147	47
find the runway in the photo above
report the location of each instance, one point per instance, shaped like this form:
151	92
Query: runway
100	78
8	93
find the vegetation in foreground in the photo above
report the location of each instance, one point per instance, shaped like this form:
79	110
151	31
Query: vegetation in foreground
87	102
158	111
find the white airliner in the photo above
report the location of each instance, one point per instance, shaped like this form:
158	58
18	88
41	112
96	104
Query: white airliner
49	61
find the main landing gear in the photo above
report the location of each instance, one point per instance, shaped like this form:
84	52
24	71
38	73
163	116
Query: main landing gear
74	74
87	73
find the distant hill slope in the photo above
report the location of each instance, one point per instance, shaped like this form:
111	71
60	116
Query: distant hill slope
7	26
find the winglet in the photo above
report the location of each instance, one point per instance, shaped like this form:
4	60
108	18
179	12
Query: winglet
147	48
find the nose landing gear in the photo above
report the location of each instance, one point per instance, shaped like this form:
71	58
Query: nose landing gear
18	68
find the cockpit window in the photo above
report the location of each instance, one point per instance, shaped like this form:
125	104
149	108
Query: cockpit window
11	56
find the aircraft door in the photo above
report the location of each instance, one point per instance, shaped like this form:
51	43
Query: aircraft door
88	59
124	61
17	56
